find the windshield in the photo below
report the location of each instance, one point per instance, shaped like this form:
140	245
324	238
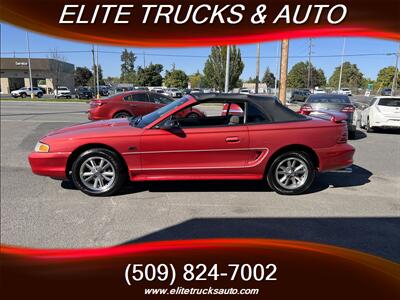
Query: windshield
328	99
394	102
151	117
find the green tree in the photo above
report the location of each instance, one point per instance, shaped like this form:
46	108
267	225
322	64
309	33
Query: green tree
351	76
176	78
298	76
82	76
150	76
385	78
269	78
128	59
196	80
214	68
93	79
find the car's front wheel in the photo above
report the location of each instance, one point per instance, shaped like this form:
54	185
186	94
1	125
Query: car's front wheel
98	172
369	128
39	95
291	173
23	95
121	114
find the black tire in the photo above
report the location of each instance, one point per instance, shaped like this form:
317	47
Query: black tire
352	134
112	158
368	127
69	97
192	115
39	95
23	95
307	178
121	114
15	96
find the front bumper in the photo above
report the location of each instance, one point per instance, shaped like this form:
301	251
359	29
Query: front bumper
49	164
339	156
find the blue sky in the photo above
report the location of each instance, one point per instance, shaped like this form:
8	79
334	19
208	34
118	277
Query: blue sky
13	39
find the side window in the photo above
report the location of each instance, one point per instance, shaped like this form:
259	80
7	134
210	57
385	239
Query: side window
373	101
254	115
140	97
159	99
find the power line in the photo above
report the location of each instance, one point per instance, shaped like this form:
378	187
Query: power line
199	56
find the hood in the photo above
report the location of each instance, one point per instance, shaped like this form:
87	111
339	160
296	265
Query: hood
105	128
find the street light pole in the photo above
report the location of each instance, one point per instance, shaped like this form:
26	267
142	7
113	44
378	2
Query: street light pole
257	68
228	55
276	69
94	69
396	73
341	65
284	68
97	72
29	64
309	64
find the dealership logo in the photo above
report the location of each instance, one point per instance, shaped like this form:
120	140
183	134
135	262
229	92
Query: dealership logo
21	63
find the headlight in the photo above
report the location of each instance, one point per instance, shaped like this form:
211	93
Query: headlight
41	147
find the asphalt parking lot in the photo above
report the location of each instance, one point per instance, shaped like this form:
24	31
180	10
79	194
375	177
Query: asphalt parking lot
360	210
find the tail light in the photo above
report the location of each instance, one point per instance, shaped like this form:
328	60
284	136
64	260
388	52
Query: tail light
306	109
96	103
348	109
343	137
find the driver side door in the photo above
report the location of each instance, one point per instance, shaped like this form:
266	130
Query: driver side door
201	152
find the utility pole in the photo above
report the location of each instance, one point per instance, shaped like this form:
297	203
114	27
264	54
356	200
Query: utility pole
276	69
228	56
257	68
284	68
97	72
144	59
94	70
29	64
309	63
341	65
396	73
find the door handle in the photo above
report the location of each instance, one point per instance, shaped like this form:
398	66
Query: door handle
232	139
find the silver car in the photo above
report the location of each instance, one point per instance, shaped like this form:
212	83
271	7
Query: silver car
26	91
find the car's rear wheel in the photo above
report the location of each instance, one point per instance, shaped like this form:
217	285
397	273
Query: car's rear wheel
98	172
291	173
23	95
121	114
39	95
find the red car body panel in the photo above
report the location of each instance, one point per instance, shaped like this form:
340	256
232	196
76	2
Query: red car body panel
206	153
104	109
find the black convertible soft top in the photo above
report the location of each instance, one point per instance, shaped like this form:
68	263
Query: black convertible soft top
270	106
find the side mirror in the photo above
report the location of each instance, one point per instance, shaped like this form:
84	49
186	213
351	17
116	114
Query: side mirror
170	124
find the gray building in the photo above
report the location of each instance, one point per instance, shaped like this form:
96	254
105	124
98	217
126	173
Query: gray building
46	73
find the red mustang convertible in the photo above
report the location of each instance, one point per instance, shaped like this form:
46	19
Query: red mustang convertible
265	140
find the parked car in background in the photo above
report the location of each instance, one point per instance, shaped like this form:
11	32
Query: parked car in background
62	92
196	91
386	92
244	91
165	145
104	91
383	112
26	91
83	93
345	91
319	91
131	104
332	102
174	93
141	88
299	95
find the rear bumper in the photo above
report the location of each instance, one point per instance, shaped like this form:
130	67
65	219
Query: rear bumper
49	164
338	157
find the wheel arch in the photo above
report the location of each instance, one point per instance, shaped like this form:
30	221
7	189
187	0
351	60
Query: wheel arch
86	147
294	147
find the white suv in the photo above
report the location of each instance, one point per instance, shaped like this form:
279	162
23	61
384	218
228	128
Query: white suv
26	91
62	92
383	112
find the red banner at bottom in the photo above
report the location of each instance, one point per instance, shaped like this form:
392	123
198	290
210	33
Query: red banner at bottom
215	268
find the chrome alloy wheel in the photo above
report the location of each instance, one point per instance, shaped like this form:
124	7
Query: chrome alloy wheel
97	173
291	173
